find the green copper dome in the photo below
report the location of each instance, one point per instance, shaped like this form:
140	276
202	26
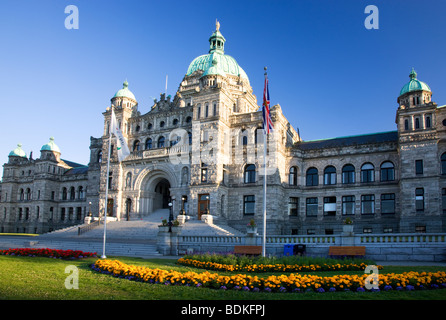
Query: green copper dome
50	146
414	84
18	152
216	62
125	92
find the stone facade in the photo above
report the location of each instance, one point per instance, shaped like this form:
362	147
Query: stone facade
202	151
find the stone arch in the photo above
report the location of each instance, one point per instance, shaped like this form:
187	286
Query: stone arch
154	186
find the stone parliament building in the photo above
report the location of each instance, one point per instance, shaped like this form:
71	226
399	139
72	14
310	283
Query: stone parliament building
202	151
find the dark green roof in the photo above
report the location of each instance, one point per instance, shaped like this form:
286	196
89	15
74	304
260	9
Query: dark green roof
372	138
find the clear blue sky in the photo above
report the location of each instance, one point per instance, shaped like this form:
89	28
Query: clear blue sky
331	76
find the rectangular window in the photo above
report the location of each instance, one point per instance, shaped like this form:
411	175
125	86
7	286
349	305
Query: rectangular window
388	203
293	206
329	206
420	229
249	205
419	199
418	166
348	205
312	204
443	199
368	204
367	230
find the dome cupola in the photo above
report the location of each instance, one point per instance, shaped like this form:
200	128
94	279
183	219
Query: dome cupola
216	62
50	146
415	92
125	92
18	152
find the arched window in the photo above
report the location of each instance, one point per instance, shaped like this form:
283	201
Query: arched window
406	124
292	178
64	194
22	194
443	163
81	193
312	177
161	141
28	194
136	145
250	173
244	137
330	175
387	171
148	144
348	174
99	158
428	121
128	180
367	173
72	193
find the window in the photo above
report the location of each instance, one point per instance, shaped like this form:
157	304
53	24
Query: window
148	144
406	124
443	199
329	206
417	123
204	172
368	204
419	199
443	163
244	136
64	194
190	137
72	193
162	123
418	166
206	111
387	171
348	174
161	142
388	203
312	177
348	205
367	230
293	206
250	173
330	175
175	122
428	121
249	205
367	173
292	178
311	206
110	179
420	229
136	145
149	126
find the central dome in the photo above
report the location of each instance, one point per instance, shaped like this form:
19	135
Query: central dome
216	62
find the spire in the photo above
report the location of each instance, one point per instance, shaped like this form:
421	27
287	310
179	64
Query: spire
413	75
217	41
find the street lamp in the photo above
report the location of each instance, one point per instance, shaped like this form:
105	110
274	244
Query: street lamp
183	198
170	217
89	209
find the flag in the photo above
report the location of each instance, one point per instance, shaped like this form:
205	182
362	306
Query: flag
267	122
123	149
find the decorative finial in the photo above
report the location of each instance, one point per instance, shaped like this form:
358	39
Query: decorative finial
413	74
217	25
125	84
264	68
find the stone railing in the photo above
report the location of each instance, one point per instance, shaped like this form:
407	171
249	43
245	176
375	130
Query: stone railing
380	247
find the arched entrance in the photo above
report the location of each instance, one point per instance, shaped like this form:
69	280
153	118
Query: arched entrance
162	195
154	190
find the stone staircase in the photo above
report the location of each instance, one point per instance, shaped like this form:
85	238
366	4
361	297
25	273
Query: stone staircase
136	237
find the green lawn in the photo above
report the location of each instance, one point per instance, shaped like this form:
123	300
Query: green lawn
31	278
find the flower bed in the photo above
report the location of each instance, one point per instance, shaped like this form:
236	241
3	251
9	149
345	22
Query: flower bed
273	267
282	283
50	253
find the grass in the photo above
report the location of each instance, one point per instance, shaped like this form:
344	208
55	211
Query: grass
36	278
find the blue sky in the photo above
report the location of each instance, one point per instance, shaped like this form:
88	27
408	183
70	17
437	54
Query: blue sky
331	76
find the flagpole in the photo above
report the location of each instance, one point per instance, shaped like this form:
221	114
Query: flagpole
110	129
265	139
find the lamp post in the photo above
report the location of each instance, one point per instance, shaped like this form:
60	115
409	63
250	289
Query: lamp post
183	198
208	201
89	209
170	217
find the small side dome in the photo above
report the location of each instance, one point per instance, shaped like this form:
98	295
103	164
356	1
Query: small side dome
50	146
414	84
125	92
18	152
